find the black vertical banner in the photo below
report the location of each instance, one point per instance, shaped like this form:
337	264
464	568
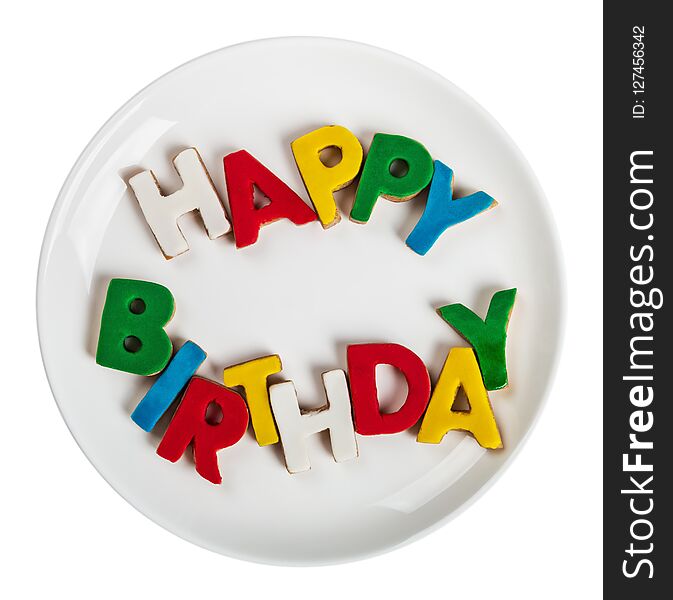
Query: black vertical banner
638	265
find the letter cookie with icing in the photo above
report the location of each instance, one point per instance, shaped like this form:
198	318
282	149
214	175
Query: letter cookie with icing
488	336
168	386
377	179
252	376
243	172
294	425
362	362
132	336
460	370
190	425
322	181
197	193
443	210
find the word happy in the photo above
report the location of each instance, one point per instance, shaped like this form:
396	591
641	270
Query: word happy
397	168
133	339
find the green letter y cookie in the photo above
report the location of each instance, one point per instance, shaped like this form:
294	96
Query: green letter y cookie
487	337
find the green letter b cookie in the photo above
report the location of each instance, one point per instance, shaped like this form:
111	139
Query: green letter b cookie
132	336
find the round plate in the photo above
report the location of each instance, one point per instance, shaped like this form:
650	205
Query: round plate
301	292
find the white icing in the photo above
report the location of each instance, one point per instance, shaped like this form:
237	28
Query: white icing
197	193
294	426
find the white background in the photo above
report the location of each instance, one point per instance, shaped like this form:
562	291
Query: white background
68	66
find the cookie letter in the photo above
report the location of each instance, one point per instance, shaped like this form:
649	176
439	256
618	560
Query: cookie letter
442	210
488	337
190	425
320	180
294	426
377	179
197	193
243	172
460	369
132	336
362	362
168	386
251	376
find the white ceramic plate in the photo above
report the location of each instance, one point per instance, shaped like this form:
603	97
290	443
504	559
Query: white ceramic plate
301	292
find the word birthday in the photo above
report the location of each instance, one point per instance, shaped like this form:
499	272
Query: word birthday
133	339
397	168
